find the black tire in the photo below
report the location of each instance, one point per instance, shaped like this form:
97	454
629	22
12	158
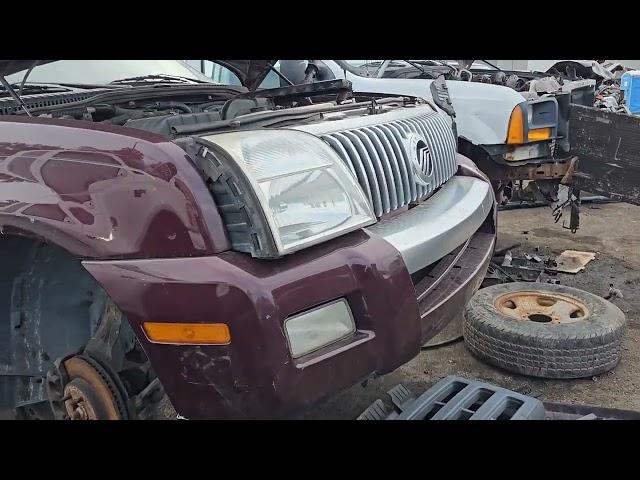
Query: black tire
585	348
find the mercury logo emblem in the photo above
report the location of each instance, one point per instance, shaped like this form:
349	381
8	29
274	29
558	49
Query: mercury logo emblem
420	158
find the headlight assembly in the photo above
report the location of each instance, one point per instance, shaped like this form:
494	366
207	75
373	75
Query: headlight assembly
287	189
533	121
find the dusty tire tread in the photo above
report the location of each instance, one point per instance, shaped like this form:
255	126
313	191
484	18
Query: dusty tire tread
582	349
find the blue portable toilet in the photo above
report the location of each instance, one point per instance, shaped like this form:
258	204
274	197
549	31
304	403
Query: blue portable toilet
630	85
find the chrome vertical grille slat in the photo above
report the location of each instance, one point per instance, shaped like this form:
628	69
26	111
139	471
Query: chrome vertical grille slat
378	192
336	145
399	132
405	171
385	180
387	156
361	172
384	150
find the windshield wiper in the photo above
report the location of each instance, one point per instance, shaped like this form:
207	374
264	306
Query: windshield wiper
418	67
33	88
158	78
392	63
385	64
370	64
436	63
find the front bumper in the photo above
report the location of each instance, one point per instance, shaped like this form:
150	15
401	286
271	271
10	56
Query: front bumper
426	233
255	375
525	154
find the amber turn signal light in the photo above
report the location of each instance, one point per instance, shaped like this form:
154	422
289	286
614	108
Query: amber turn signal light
188	333
515	133
539	134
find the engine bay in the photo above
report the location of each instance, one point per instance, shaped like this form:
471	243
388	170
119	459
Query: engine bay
517	80
177	110
173	111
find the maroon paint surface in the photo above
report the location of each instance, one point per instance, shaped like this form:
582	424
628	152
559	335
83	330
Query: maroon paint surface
104	191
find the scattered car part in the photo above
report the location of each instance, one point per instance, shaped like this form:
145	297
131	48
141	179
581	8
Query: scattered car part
406	406
456	398
496	274
521	273
589	199
513	269
573	202
573	261
610	97
508	257
503	251
613	293
544	330
522	268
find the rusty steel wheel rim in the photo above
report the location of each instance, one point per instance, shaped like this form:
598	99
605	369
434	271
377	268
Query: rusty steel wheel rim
542	307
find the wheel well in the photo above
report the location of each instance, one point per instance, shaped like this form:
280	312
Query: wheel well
50	307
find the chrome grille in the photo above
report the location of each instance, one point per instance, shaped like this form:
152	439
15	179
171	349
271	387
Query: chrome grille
381	158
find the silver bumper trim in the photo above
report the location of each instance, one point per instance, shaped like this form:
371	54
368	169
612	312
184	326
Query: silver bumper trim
428	232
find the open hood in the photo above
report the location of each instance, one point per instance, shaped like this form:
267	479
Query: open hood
7	67
250	72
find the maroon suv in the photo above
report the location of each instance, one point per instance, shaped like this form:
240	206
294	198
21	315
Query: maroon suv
248	251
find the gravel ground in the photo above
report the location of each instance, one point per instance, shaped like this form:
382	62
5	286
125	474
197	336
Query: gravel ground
610	230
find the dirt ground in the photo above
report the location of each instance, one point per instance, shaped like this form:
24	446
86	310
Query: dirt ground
610	230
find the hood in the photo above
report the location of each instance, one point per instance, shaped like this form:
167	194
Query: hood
250	72
7	67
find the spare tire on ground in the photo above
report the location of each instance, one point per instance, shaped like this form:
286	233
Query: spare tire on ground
544	330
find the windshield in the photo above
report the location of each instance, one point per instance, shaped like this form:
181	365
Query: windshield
105	71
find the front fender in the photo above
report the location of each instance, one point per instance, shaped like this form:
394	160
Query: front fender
102	191
483	110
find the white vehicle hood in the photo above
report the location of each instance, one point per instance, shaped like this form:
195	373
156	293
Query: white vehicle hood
482	110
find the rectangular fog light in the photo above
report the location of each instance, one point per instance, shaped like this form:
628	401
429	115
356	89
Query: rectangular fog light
318	327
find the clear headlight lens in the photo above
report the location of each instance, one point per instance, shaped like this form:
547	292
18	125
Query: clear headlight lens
306	192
